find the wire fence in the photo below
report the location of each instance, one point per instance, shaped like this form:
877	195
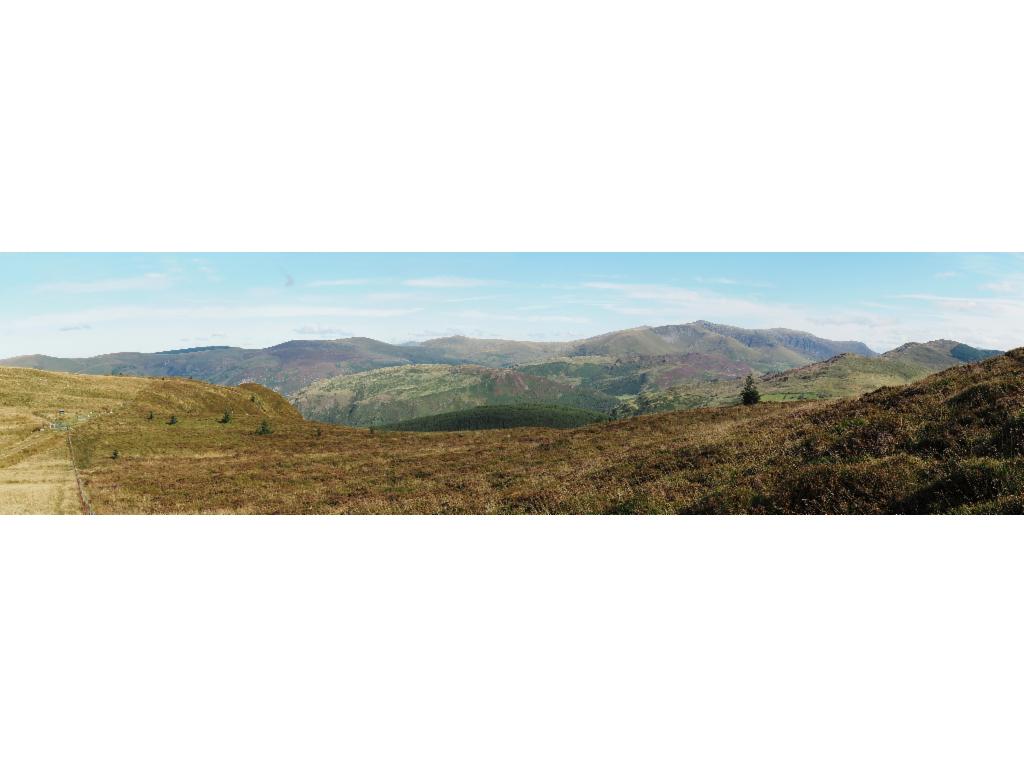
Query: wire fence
82	497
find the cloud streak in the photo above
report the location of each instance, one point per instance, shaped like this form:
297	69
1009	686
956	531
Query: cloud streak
337	283
207	312
447	282
152	281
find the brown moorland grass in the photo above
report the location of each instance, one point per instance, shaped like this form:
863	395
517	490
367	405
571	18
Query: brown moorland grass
951	443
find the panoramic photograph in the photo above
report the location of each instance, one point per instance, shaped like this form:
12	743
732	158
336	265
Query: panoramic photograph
499	383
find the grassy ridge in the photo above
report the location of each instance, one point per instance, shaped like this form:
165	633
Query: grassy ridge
501	417
37	409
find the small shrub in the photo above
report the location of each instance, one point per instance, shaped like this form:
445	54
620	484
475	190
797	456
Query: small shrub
264	428
172	420
150	416
750	395
225	419
115	455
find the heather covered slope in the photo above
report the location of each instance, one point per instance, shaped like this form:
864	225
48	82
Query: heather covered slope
501	417
953	442
391	395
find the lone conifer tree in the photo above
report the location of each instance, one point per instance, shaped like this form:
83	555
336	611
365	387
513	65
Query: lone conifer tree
225	419
172	420
750	394
264	428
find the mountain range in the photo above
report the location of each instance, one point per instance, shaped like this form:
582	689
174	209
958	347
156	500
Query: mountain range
292	365
364	382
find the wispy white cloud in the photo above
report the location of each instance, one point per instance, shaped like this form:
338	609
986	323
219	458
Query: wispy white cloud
149	282
337	283
447	282
475	314
322	330
206	269
468	299
730	281
388	296
207	312
697	304
992	322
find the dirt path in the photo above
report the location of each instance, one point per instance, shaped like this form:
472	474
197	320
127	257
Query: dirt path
36	472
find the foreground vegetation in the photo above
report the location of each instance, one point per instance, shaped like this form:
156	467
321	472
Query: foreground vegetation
953	442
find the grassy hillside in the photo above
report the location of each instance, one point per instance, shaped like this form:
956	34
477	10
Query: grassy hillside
939	355
844	376
953	442
632	375
36	473
391	395
501	417
494	353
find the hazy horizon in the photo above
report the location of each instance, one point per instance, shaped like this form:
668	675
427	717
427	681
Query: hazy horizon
81	305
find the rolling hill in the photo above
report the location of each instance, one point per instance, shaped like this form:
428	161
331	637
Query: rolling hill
776	349
391	395
39	410
950	443
633	374
285	368
940	354
846	375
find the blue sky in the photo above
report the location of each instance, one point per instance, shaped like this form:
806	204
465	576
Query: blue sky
87	304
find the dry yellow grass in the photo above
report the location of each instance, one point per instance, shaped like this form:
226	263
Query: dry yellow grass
37	409
36	473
